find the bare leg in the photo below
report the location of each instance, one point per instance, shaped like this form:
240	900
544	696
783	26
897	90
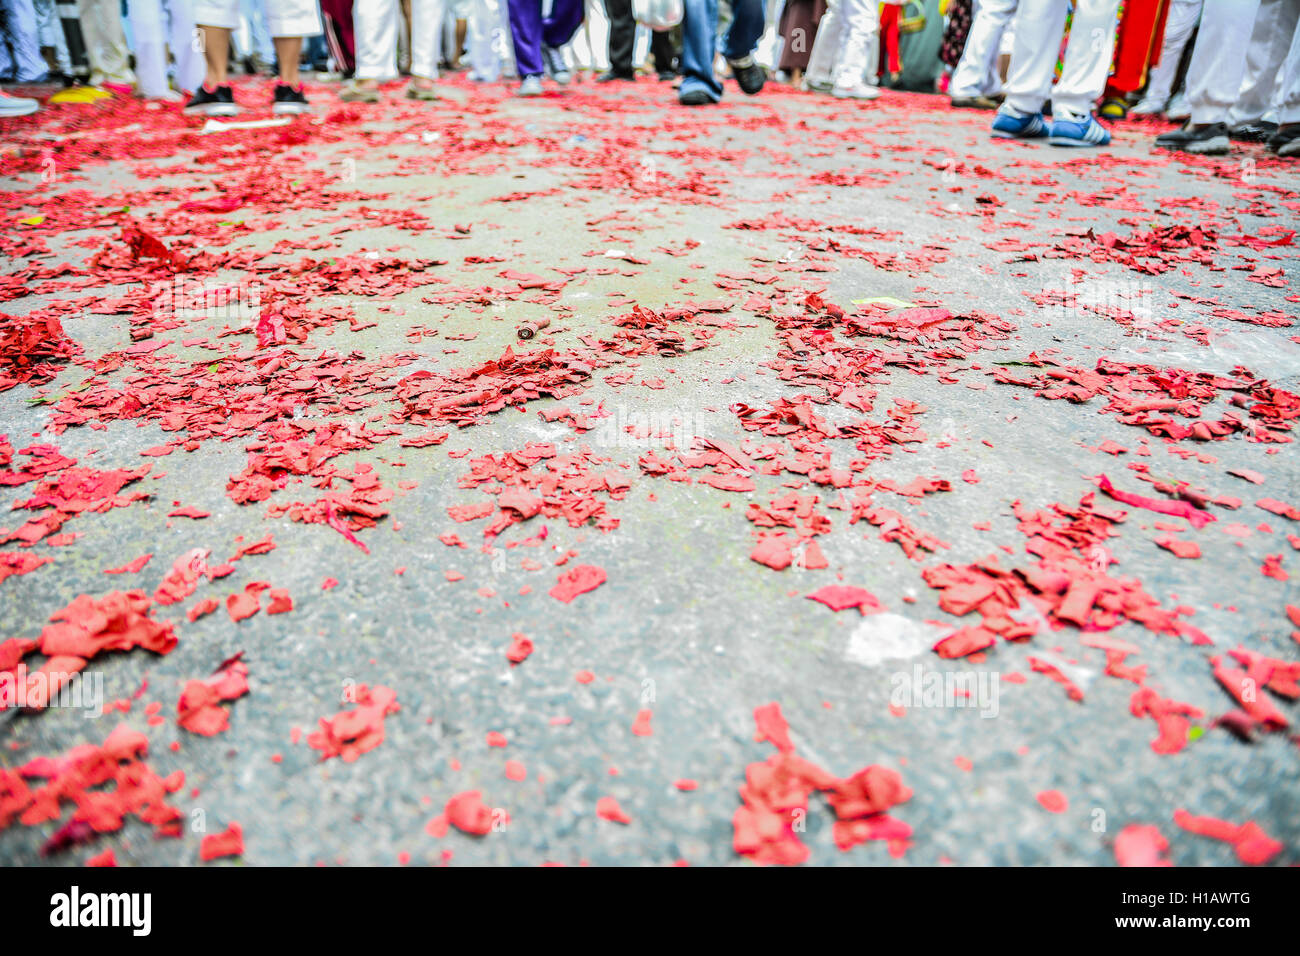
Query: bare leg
216	53
461	27
287	51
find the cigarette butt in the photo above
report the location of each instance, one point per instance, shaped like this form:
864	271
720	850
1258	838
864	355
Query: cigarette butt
529	329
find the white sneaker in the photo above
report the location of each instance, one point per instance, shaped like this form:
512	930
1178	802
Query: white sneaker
1178	110
1148	107
167	96
530	86
553	59
859	91
17	105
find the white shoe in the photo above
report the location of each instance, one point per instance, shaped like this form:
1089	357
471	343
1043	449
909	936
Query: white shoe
530	86
1148	107
17	105
553	58
859	91
1178	110
167	96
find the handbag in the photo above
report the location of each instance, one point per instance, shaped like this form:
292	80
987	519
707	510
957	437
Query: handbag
913	18
658	14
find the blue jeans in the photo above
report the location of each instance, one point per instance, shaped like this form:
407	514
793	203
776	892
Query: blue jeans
699	33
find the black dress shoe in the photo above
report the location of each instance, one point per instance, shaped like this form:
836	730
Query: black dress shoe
609	76
1256	132
1208	139
695	98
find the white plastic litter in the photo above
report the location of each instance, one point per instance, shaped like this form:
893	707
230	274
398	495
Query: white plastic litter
658	14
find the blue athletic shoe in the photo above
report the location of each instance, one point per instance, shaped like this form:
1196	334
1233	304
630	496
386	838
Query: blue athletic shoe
1083	131
1008	125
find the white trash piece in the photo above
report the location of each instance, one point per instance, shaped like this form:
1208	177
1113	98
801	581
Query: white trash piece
658	14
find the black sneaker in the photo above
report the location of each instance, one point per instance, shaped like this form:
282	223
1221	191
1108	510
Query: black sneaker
1286	141
1256	132
611	76
289	101
748	74
216	102
1209	139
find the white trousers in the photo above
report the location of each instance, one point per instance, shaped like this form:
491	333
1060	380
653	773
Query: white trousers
374	23
50	30
1287	101
846	46
1218	63
1183	15
858	24
22	26
1270	41
1039	26
977	71
490	42
101	29
284	18
826	45
153	38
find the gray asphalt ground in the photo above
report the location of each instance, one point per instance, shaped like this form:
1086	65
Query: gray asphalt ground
686	625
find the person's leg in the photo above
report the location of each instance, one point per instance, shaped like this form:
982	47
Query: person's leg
665	56
861	22
216	18
462	30
1087	59
426	41
978	59
339	36
699	23
101	27
1183	15
288	22
622	36
374	23
746	27
20	19
1219	59
1286	141
1039	27
288	51
184	47
822	60
1134	44
150	46
51	35
889	15
484	64
526	30
216	54
559	26
263	50
1270	42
